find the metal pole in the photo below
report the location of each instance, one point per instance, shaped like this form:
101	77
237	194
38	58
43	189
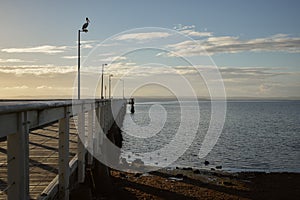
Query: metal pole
102	82
78	87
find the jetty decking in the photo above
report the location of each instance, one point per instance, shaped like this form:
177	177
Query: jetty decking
43	158
43	149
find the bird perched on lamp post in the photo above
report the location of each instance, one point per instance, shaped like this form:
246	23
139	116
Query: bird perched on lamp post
85	25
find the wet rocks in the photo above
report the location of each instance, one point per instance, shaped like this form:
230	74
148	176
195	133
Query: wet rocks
137	175
181	176
187	168
137	161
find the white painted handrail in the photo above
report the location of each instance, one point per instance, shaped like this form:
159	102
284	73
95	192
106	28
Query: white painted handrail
18	117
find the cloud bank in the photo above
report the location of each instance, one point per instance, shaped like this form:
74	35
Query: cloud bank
229	44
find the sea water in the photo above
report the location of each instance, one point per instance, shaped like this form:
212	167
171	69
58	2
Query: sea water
257	135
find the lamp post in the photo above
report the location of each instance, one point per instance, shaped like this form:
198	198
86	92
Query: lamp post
109	86
123	88
84	29
102	80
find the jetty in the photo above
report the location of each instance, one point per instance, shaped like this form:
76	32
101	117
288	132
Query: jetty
47	146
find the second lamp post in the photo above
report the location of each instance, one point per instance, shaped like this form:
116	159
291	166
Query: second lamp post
102	80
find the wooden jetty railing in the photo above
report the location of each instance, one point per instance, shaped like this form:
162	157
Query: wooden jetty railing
18	118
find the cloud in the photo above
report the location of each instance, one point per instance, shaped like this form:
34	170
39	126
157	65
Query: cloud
247	73
113	59
180	27
193	33
264	88
42	87
37	69
88	44
47	49
70	57
190	31
16	87
14	61
143	36
107	44
87	41
229	44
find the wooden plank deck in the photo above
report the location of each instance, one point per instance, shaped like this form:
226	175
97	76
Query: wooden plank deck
43	158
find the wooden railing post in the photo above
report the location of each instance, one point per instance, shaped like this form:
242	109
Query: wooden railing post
81	146
96	143
63	151
18	160
90	146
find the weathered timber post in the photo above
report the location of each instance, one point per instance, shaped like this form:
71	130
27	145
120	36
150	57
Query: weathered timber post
18	160
63	152
91	117
81	145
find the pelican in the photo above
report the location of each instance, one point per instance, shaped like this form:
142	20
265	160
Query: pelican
85	25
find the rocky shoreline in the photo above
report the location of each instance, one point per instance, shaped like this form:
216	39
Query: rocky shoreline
188	183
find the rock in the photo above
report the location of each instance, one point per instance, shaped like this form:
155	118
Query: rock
138	161
123	175
124	161
206	162
179	176
196	171
188	168
228	183
212	169
219	167
138	175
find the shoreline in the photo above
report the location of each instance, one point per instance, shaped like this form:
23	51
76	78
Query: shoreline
191	183
203	184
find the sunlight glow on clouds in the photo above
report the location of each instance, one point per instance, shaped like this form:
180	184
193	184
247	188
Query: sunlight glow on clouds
48	49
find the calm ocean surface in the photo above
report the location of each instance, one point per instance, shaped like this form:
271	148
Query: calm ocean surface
257	136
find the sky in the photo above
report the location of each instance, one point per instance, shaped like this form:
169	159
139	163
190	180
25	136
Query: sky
233	49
